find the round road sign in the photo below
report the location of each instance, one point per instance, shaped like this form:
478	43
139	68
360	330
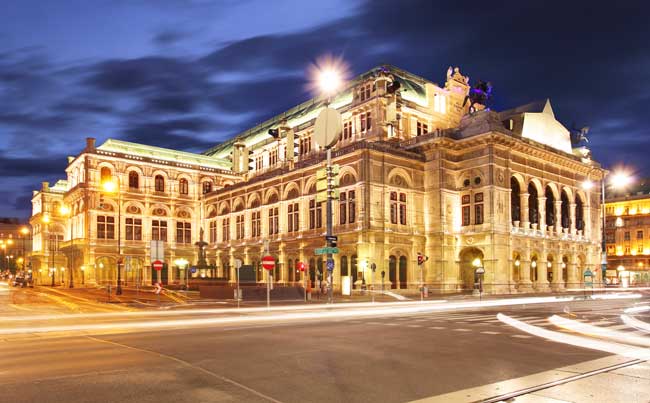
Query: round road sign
327	128
157	265
268	262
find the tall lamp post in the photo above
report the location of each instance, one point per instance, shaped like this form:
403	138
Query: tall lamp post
24	231
66	212
46	221
329	81
111	187
618	180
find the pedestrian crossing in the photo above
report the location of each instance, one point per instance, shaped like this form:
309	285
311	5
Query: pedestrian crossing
487	324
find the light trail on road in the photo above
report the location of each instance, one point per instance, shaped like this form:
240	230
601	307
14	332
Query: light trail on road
585	328
325	313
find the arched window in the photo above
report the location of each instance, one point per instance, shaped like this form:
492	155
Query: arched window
159	183
533	204
207	187
134	180
550	207
580	214
515	199
183	186
566	220
105	174
402	272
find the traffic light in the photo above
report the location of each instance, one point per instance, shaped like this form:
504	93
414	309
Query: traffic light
275	133
301	266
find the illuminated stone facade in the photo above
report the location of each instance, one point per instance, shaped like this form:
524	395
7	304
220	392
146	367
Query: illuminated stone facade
418	174
627	232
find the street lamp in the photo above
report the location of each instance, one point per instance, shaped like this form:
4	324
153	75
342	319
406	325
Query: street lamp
619	180
66	212
182	263
24	231
110	187
329	79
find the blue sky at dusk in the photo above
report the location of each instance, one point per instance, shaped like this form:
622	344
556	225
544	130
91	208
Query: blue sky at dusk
187	74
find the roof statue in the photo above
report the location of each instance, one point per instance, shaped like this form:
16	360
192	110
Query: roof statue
579	141
479	94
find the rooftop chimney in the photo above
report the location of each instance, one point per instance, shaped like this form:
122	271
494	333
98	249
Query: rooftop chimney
90	144
45	186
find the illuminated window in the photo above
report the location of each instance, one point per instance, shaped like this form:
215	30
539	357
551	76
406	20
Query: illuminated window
105	227
183	186
133	229
304	146
159	230
105	174
639	248
619	222
183	232
626	236
639	235
207	187
347	131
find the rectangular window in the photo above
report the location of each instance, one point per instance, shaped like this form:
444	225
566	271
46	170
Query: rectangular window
402	208
134	229
273	221
159	230
352	207
259	162
213	231
315	214
343	208
304	146
393	207
225	230
347	131
478	209
273	156
239	227
627	235
183	232
105	227
366	121
422	128
256	228
478	214
639	248
292	218
465	211
639	235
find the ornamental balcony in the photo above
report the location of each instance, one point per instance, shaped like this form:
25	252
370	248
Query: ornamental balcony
550	232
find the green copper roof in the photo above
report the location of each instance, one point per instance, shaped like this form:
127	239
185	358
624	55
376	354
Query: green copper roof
61	186
165	154
415	91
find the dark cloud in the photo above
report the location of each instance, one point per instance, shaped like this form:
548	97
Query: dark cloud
169	37
179	134
45	166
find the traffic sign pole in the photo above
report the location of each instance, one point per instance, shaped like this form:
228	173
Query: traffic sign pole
329	223
268	263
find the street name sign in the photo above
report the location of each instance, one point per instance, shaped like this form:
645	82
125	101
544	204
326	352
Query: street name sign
326	250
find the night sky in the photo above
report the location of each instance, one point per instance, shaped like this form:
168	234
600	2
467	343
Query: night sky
187	74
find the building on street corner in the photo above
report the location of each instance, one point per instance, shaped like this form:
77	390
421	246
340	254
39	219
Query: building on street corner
417	173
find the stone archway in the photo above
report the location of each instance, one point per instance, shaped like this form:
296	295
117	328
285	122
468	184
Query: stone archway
467	267
105	270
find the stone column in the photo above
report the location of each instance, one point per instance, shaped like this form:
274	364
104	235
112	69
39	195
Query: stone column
523	202
558	283
541	202
573	278
558	216
542	281
523	282
586	216
572	218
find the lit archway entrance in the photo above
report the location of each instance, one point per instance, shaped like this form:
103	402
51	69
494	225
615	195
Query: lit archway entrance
467	266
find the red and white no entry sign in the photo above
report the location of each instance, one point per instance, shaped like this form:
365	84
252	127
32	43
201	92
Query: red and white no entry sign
268	262
157	265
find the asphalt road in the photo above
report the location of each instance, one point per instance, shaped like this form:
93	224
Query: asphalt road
388	358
